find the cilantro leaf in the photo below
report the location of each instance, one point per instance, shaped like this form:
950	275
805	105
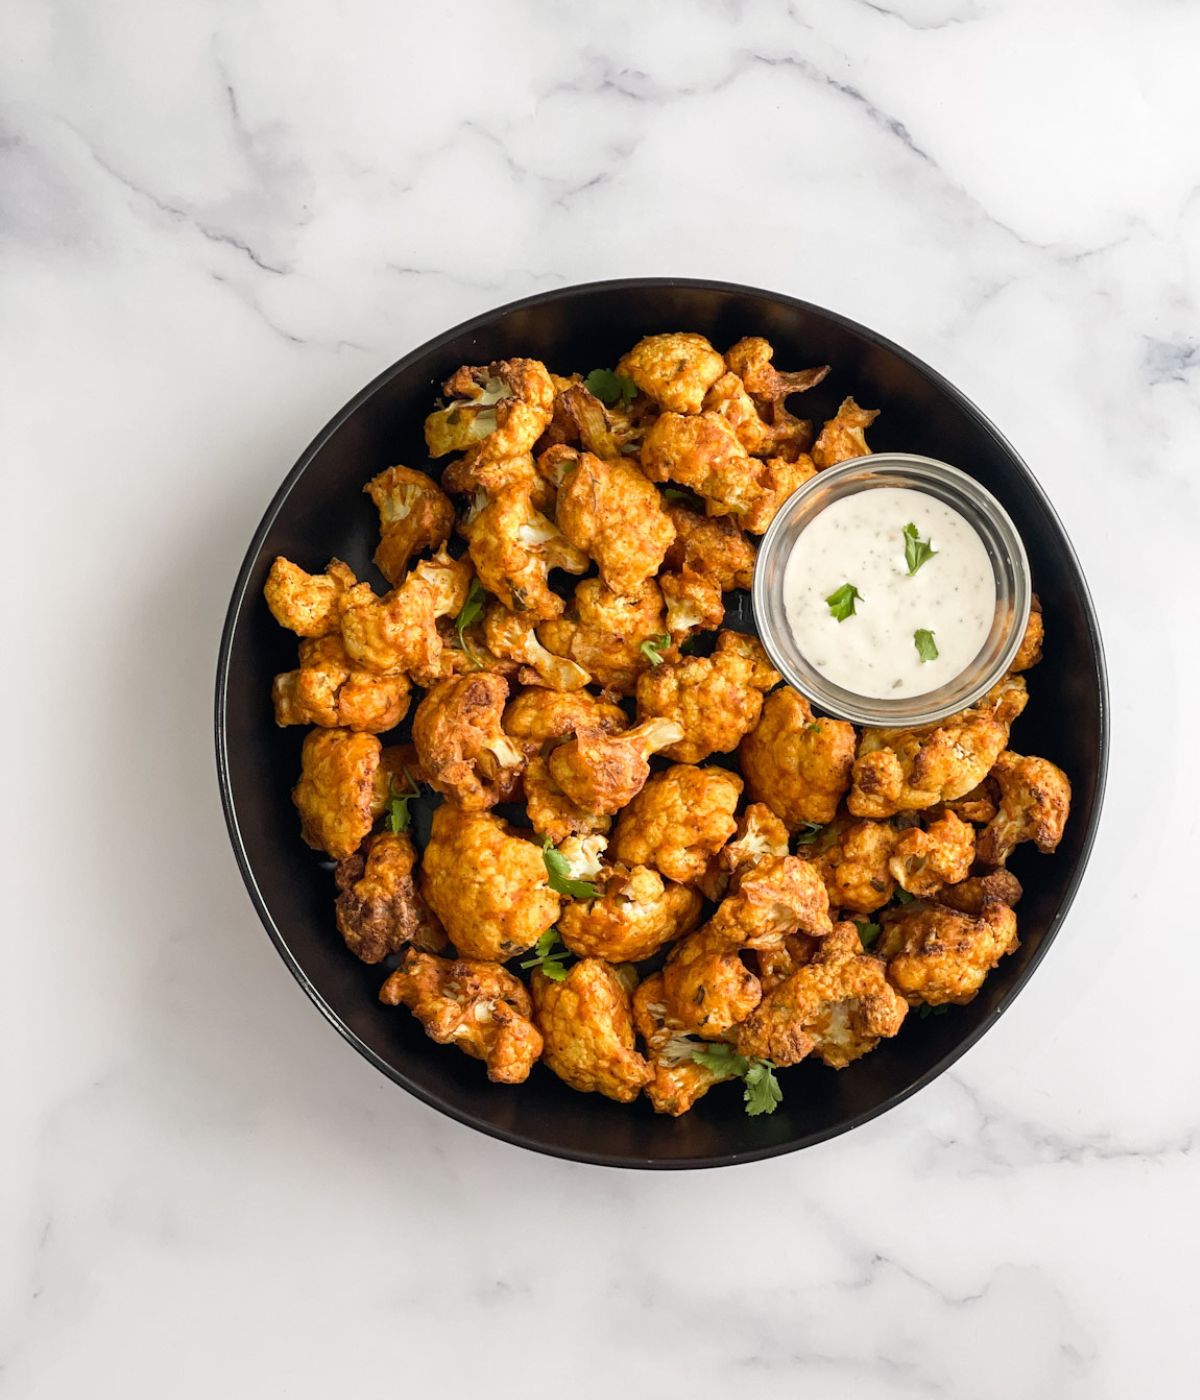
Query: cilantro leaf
469	613
676	493
721	1058
548	957
927	1010
926	646
809	833
652	646
763	1094
903	897
867	931
398	815
841	601
916	551
558	871
610	388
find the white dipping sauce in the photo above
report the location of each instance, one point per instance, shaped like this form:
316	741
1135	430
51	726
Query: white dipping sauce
860	540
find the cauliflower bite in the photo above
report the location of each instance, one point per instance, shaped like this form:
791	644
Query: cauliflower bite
582	420
702	453
728	397
508	404
674	370
635	914
694	603
752	398
614	515
480	476
587	1024
712	545
514	547
601	772
328	689
707	989
679	819
750	359
511	637
461	745
551	812
777	478
971	895
759	833
311	605
341	791
906	770
378	909
1035	799
400	632
799	766
535	718
715	700
678	1079
604	631
487	885
836	1007
478	1006
853	858
414	515
979	805
937	955
844	436
1029	653
778	895
923	861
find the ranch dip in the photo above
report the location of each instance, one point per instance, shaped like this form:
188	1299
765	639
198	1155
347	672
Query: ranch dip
889	593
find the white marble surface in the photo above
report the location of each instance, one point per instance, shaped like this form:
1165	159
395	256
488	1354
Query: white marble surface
218	221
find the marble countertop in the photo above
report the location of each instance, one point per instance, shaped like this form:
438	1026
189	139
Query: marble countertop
221	220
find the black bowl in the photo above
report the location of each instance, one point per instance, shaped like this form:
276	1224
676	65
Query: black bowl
320	511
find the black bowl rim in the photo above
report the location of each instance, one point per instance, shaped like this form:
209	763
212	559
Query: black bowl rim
238	601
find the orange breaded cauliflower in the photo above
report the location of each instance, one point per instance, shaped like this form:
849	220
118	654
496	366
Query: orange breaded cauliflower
675	370
614	515
342	789
777	478
311	605
400	632
582	420
461	745
480	476
836	1007
604	631
587	1025
534	718
378	908
712	545
853	858
971	895
601	772
328	689
941	854
979	805
679	819
694	603
506	404
1029	653
729	398
776	896
707	988
752	398
715	700
759	833
486	884
414	515
1035	800
906	770
551	812
750	359
514	547
678	1079
844	436
635	913
702	453
937	955
512	637
478	1006
798	765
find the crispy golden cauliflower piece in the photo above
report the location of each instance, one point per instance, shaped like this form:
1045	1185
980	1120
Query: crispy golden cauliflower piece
508	404
777	478
604	631
602	772
481	476
750	359
979	805
486	884
378	908
311	605
712	545
514	547
844	436
797	764
587	1024
678	1080
461	744
694	603
512	637
759	834
582	420
478	1006
1035	801
729	398
1029	653
614	515
328	689
906	770
551	812
414	515
941	854
853	858
971	895
679	819
837	1008
400	632
635	914
715	700
342	789
535	718
776	896
937	955
702	453
707	988
675	370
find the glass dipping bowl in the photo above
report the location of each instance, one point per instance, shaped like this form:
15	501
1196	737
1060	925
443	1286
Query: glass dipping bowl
982	512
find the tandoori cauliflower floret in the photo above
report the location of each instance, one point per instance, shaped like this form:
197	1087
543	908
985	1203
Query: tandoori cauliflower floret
534	718
378	909
328	689
514	547
712	545
551	812
970	896
478	1006
400	631
844	435
587	1024
853	858
678	1079
461	744
680	818
776	896
602	772
342	789
675	370
486	884
707	987
694	603
312	605
906	770
1029	653
759	834
635	914
604	632
715	700
582	420
777	478
941	854
729	398
703	453
512	637
937	955
797	764
750	359
414	515
979	805
1035	800
481	476
508	404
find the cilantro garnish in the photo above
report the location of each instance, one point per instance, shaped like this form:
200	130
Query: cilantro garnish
868	932
398	815
762	1093
652	647
841	601
558	871
548	957
916	551
610	387
926	646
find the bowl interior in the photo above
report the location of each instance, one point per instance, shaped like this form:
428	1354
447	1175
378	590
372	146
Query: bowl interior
321	511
